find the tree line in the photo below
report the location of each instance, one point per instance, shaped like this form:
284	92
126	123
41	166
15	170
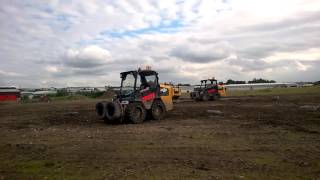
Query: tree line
255	80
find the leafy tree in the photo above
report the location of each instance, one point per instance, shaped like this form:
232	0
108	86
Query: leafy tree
317	83
62	92
230	81
183	84
260	80
91	94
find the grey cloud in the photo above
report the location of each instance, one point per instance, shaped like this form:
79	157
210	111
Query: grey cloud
258	51
82	63
91	72
83	68
261	40
77	72
87	57
290	35
199	53
250	64
301	19
171	74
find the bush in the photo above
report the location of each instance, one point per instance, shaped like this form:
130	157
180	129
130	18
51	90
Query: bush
61	93
91	94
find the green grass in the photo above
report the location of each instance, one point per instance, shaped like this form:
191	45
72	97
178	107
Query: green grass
70	97
44	169
276	91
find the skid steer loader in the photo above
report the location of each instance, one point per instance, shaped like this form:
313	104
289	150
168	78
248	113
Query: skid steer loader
208	90
140	96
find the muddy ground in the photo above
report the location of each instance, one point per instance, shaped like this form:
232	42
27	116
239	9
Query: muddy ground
253	138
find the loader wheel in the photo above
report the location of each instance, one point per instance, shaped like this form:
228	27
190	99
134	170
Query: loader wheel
112	112
175	97
205	97
157	110
136	113
215	97
100	109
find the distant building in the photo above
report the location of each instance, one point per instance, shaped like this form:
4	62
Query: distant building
41	93
100	89
79	89
186	89
115	89
37	93
9	94
256	86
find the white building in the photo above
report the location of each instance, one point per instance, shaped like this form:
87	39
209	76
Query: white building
232	87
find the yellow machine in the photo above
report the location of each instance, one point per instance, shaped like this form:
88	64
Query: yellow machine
222	90
166	96
176	92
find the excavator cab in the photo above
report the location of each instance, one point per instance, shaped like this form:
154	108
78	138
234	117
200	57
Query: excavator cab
140	95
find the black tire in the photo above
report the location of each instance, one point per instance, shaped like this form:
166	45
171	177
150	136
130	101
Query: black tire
112	112
213	97
100	109
175	98
191	95
217	96
205	97
158	110
197	96
136	113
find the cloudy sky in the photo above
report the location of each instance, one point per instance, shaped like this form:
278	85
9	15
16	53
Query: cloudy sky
88	43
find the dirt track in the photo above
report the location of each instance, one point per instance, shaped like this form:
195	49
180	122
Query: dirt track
254	138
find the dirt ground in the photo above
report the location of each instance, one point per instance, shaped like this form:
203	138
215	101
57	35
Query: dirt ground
252	138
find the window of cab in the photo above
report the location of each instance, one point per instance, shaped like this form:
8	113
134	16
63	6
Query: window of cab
164	92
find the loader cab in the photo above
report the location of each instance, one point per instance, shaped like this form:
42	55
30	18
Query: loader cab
209	83
212	84
203	84
135	84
